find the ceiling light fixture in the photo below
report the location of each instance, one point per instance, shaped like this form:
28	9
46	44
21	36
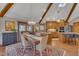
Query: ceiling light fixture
58	20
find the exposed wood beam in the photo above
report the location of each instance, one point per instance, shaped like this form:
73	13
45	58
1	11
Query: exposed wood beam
71	11
5	9
50	4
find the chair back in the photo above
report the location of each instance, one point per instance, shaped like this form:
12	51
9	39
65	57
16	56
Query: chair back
23	40
43	43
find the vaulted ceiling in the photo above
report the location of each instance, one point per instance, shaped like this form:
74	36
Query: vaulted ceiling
2	6
28	11
56	12
75	15
35	11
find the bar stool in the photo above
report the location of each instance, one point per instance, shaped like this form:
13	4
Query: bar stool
74	39
66	38
71	39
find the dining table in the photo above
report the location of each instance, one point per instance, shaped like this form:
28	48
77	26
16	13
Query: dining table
34	39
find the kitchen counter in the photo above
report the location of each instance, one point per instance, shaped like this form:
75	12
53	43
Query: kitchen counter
71	38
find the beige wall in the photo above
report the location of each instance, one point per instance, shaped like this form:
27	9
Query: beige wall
2	26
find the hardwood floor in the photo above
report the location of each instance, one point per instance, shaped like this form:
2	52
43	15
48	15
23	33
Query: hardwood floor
70	50
2	51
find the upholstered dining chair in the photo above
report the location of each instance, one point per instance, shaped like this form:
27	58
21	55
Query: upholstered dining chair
39	44
42	45
25	42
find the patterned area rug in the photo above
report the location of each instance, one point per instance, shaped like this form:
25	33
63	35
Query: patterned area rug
18	50
32	52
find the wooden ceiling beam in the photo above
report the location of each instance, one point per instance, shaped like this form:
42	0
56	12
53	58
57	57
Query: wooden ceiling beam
5	9
71	11
49	5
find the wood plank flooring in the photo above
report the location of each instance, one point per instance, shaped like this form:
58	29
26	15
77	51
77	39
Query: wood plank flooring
2	50
70	49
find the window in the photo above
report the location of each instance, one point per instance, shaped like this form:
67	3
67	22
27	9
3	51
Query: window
22	27
30	28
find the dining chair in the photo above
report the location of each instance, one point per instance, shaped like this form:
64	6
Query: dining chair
42	45
62	52
25	41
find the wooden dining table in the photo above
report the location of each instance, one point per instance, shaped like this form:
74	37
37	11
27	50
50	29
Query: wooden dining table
34	39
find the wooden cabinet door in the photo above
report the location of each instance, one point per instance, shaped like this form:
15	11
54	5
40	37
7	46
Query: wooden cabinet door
75	27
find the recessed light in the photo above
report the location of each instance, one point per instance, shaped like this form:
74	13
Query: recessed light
62	5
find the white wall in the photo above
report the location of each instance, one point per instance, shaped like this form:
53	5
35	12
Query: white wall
0	32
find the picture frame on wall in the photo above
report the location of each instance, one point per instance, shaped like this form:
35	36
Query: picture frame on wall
9	25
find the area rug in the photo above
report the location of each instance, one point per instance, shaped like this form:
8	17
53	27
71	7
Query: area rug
32	52
18	50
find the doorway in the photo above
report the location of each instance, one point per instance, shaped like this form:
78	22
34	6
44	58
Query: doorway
22	26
